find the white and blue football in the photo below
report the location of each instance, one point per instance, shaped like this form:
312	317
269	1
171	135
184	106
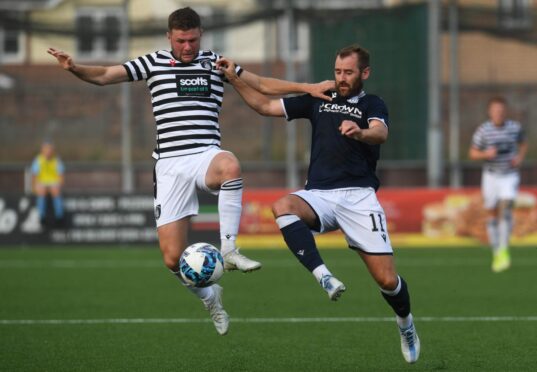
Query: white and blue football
201	265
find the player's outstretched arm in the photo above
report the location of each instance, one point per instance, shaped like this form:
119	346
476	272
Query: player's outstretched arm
98	75
271	86
259	102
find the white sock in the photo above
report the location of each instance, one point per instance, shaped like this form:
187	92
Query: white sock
492	232
320	271
227	245
229	213
504	230
203	293
286	220
404	322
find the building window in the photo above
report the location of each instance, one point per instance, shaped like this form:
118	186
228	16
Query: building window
11	44
515	14
214	40
98	33
297	46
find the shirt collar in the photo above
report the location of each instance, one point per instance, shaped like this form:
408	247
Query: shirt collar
352	99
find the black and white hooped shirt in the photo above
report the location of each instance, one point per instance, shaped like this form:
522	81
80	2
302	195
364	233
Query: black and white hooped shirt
186	99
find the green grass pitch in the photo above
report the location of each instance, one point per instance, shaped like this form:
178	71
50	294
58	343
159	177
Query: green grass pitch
120	310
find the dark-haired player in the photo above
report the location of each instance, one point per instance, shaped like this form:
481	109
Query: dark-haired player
186	94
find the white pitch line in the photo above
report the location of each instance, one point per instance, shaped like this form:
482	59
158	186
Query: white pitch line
157	263
80	264
265	320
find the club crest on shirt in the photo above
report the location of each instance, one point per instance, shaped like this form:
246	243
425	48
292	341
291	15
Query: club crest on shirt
353	99
172	62
206	64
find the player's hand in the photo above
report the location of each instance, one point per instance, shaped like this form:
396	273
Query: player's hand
227	66
490	153
516	161
350	129
318	90
64	59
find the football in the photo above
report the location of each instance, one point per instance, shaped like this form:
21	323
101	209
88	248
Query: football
201	265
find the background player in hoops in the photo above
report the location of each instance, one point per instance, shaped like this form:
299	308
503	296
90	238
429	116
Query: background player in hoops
501	144
341	185
186	94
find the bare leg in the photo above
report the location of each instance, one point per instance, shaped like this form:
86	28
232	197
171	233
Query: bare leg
382	269
393	287
395	292
501	258
173	242
492	229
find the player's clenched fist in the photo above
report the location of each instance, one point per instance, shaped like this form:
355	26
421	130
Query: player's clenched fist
228	67
350	129
64	59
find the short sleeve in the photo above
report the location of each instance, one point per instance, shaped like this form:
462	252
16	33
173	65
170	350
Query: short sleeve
138	68
521	135
61	167
377	111
478	140
299	107
35	166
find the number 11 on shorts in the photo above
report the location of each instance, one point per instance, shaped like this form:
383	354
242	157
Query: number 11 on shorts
375	228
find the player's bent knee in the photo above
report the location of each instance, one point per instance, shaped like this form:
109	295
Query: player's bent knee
171	260
387	282
281	207
171	264
233	170
230	166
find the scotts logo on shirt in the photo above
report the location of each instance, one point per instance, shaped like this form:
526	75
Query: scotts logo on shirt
193	85
340	109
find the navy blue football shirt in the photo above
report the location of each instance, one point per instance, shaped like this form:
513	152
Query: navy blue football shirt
338	161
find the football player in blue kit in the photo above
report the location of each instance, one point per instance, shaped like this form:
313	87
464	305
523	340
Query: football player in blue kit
340	192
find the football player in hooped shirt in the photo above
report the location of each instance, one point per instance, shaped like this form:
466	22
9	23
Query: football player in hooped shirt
340	190
186	94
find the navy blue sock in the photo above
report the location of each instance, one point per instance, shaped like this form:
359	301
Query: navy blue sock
400	302
300	241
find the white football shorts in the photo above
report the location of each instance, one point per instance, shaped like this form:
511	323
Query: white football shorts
356	212
175	183
496	186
